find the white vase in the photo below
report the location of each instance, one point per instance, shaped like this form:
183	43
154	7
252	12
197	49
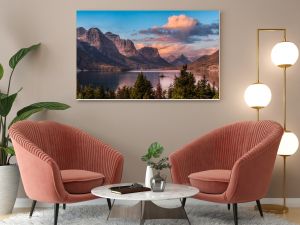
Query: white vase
9	183
148	176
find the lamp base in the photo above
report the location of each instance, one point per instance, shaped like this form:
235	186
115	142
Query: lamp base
276	209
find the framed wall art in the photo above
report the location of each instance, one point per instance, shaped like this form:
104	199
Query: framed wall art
149	55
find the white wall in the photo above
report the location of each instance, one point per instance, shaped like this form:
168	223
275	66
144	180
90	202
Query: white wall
50	74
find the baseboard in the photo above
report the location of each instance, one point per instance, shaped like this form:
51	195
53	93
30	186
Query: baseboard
26	203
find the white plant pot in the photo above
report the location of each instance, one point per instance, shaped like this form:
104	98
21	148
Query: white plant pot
148	176
9	183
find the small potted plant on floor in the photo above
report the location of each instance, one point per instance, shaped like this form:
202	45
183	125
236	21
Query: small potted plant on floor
156	182
9	174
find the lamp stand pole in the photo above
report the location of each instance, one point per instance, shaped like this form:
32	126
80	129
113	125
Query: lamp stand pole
257	112
284	183
272	208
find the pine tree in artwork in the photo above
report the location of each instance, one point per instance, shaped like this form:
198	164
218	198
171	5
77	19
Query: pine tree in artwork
123	93
88	92
216	96
170	91
99	93
142	88
159	92
203	88
184	85
209	91
110	94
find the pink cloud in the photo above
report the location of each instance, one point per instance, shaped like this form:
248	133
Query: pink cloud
177	36
180	22
182	28
165	39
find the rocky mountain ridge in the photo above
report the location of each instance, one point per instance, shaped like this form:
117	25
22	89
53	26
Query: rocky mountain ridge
125	47
205	61
180	61
108	52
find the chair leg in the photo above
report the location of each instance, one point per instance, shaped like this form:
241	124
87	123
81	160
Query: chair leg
64	206
228	206
56	209
183	202
32	208
108	203
235	213
259	208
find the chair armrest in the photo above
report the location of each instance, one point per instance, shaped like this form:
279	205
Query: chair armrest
99	157
251	174
40	174
194	157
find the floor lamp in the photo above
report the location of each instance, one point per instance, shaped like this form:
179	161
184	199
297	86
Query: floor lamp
284	54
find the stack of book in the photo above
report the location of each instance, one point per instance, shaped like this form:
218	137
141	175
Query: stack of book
129	189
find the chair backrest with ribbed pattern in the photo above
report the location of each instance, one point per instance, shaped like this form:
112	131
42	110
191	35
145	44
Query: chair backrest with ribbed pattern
56	140
233	141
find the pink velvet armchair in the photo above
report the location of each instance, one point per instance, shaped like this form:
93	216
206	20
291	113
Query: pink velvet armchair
230	165
60	164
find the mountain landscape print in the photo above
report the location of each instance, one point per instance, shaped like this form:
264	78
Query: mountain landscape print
168	55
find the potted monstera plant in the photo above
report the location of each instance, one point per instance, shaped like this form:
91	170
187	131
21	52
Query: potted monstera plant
153	160
9	173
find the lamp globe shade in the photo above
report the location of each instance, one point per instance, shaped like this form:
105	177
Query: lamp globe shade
289	144
258	95
284	54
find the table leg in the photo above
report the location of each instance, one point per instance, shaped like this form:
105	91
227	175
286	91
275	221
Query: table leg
186	216
130	212
147	210
110	209
142	221
153	211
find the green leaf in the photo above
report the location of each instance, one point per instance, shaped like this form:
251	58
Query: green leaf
25	115
44	105
6	103
27	111
9	150
145	158
16	58
155	150
2	95
1	71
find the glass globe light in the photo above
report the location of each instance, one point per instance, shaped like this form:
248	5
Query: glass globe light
289	144
257	95
284	54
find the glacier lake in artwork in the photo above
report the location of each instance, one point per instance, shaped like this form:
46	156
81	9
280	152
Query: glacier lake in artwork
115	80
148	55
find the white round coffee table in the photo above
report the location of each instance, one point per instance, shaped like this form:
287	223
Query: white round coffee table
145	209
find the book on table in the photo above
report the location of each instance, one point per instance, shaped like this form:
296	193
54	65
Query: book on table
129	189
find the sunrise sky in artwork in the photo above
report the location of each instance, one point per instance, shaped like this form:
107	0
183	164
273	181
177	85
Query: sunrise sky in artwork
192	33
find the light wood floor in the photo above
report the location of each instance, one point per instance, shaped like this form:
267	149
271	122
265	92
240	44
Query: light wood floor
293	215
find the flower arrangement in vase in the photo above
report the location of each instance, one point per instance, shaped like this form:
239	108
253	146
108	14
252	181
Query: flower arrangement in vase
156	182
